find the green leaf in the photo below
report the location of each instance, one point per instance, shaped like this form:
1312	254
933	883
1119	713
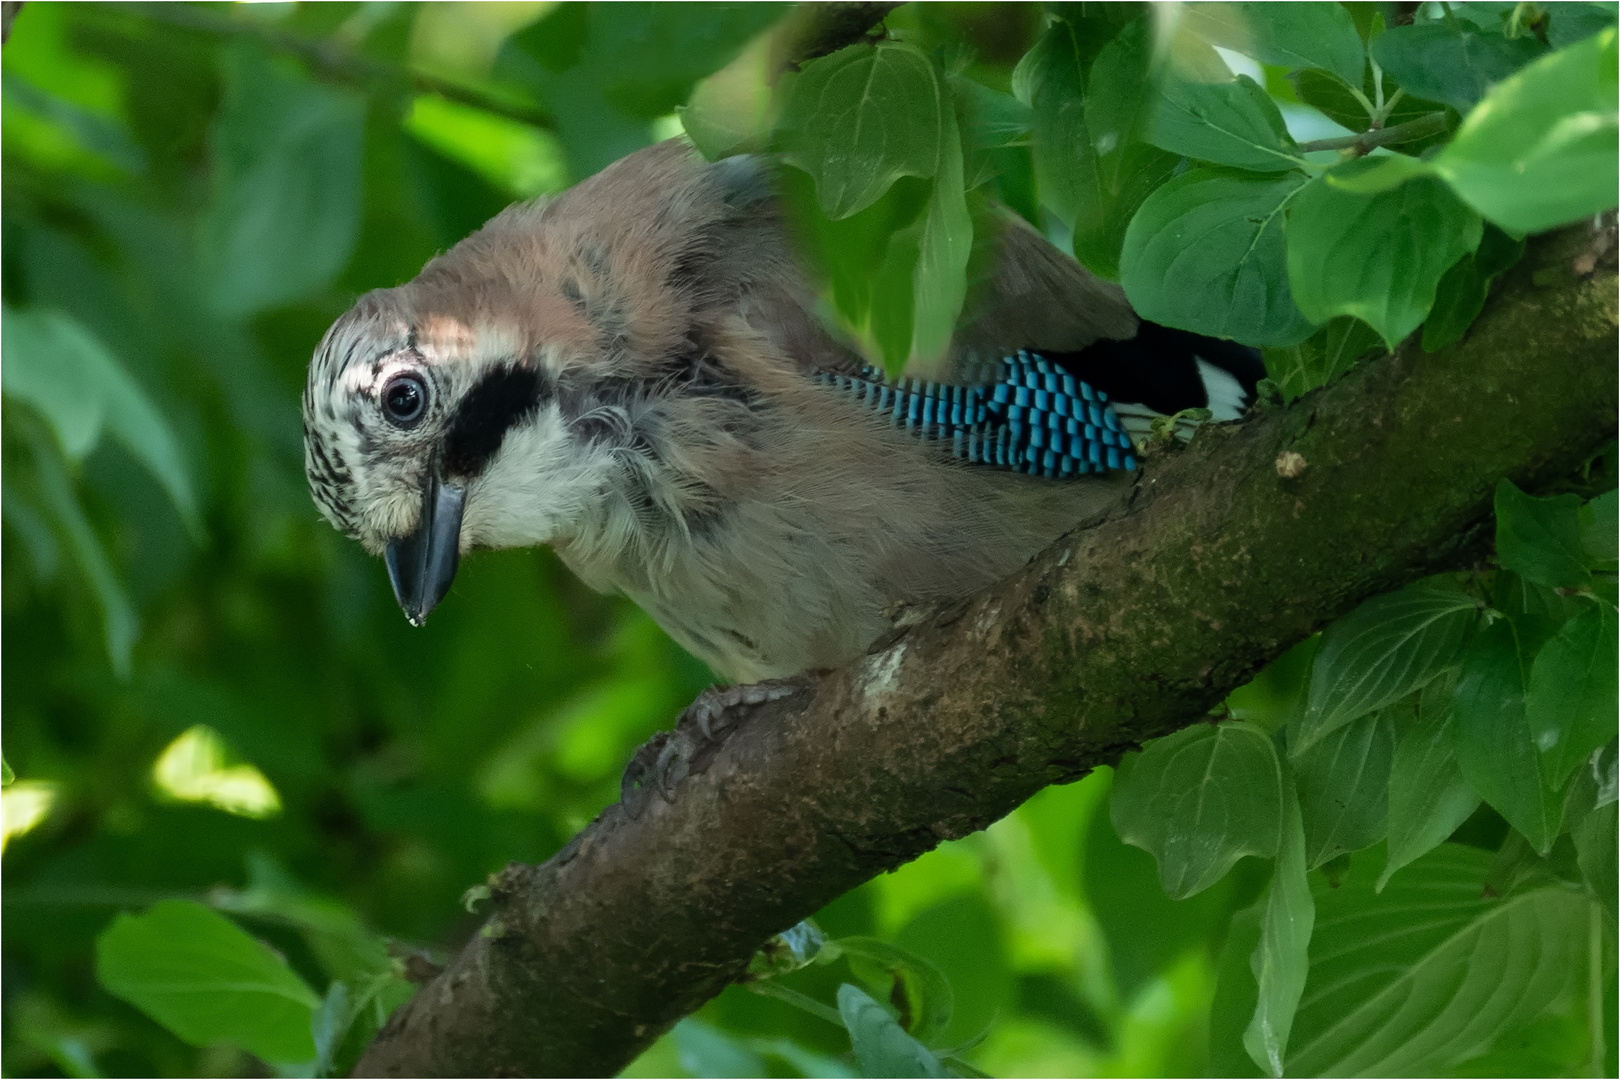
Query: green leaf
882	1048
1146	931
1540	538
1200	800
707	1051
1573	694
199	975
860	119
1494	747
645	57
1236	995
1322	357
1428	797
1344	787
119	624
1427	974
1539	151
1596	844
1378	257
284	211
1601	536
1205	253
63	370
1112	172
1280	960
1569	23
1050	81
1379	653
930	1002
1292	36
1274	696
940	278
1461	294
1450	63
1226	123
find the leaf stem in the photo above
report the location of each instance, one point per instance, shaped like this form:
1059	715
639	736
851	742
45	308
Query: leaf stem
1424	126
1389	106
766	988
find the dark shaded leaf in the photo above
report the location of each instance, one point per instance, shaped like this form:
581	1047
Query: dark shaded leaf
1378	257
1322	357
1428	973
1226	123
1344	787
1494	748
284	211
1540	538
1387	648
860	119
1571	699
1450	63
1461	293
1428	797
1206	253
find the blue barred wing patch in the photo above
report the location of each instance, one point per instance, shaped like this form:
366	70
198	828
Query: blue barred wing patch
1033	418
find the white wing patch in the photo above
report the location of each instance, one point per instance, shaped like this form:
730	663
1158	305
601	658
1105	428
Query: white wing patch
1224	393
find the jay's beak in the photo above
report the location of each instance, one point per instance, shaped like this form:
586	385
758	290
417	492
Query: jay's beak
421	566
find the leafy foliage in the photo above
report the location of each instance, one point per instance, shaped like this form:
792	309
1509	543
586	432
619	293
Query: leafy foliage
1393	853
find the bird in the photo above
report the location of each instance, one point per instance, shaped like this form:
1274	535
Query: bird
634	373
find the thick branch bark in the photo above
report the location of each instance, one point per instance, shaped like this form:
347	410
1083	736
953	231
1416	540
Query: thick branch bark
1122	631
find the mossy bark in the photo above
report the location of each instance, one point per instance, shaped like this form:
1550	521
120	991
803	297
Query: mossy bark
1222	558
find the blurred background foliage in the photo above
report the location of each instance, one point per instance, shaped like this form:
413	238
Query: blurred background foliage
210	695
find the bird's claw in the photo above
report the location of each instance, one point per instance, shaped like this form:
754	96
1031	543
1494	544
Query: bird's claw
669	757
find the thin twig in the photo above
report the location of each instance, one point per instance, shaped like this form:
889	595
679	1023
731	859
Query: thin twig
1424	126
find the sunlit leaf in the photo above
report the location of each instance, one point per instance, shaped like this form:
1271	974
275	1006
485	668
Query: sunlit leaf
196	973
1294	36
1200	800
1539	151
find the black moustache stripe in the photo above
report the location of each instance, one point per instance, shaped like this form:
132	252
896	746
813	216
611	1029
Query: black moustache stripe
504	397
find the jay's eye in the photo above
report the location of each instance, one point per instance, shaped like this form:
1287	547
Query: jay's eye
404	400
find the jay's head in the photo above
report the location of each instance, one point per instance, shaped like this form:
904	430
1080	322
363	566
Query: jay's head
498	399
427	434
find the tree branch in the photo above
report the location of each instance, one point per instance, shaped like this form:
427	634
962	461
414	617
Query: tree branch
1125	630
1367	141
